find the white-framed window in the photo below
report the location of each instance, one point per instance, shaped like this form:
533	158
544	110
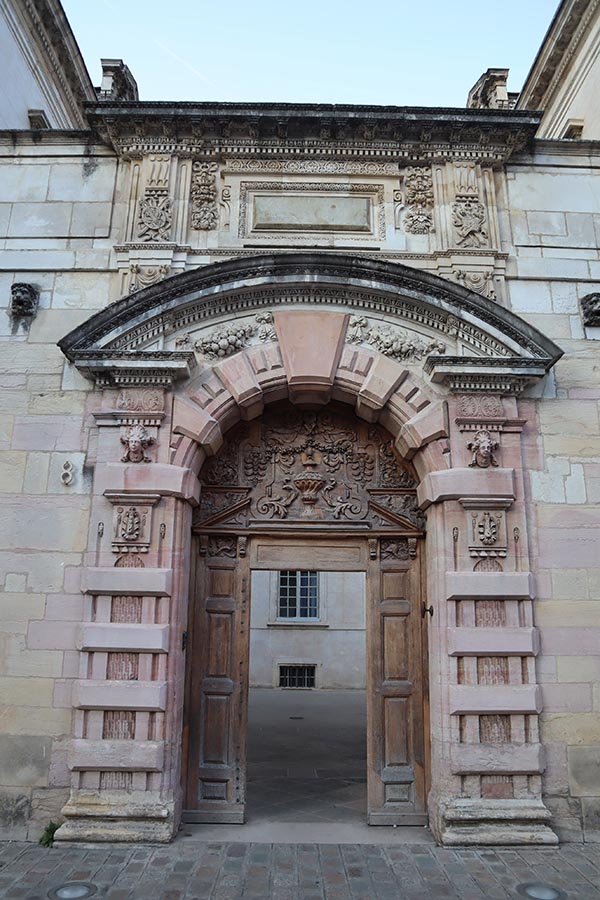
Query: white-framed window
297	595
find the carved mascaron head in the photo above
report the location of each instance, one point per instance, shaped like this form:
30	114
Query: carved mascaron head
23	299
135	442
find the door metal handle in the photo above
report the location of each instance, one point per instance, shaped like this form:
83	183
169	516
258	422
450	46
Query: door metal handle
426	609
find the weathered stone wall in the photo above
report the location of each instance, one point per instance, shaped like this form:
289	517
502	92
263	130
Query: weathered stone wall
551	229
56	214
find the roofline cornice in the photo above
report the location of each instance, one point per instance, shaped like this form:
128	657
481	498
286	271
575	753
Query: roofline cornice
319	130
566	32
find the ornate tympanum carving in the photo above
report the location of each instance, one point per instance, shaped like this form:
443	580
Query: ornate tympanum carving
309	468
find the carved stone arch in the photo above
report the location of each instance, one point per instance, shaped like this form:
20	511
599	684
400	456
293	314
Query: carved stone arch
368	334
462	339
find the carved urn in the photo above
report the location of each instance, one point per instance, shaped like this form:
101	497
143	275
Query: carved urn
309	484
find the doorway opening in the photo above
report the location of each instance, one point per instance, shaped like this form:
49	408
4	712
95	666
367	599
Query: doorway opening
300	507
307	707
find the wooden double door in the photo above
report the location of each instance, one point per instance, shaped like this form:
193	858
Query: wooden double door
218	665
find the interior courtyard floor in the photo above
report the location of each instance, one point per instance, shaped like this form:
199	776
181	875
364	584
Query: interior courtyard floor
307	759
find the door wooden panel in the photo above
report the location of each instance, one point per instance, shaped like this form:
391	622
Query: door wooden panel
216	787
396	764
396	747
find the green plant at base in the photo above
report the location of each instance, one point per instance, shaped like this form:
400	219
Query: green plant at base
47	838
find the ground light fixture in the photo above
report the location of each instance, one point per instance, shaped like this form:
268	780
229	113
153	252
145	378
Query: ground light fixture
537	890
72	890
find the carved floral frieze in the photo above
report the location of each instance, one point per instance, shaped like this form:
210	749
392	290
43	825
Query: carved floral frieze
308	468
232	337
390	341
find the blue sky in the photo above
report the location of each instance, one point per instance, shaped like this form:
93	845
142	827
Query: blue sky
322	51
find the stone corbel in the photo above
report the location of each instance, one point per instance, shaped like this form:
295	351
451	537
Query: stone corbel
502	375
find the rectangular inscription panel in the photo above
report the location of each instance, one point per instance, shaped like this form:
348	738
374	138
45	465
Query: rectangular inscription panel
312	212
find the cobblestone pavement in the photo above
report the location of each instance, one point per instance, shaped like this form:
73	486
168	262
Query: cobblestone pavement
209	871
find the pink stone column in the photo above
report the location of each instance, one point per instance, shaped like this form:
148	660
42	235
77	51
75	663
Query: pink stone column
125	755
486	754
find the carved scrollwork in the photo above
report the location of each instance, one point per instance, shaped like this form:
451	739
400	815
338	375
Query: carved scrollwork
222	545
394	548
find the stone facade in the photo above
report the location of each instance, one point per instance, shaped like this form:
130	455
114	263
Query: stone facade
199	263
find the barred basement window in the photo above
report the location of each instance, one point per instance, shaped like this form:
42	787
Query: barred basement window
298	596
297	676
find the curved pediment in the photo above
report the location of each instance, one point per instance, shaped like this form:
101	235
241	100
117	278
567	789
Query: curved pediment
410	315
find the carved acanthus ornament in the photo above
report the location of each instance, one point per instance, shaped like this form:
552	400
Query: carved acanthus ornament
309	468
135	441
204	208
418	197
482	448
391	341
